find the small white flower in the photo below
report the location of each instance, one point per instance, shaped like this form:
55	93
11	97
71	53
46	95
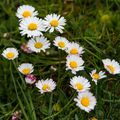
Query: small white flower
80	83
38	43
25	11
85	101
74	49
26	68
74	63
96	76
47	85
112	66
61	42
32	27
10	53
54	22
30	79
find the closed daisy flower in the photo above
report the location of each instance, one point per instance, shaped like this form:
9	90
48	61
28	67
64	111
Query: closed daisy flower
74	63
30	79
31	26
85	101
112	66
26	68
26	11
47	85
54	22
74	49
38	44
10	53
80	83
61	42
96	76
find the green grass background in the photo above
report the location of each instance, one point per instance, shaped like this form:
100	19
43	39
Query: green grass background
85	25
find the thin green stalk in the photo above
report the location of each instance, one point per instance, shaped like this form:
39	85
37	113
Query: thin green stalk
50	104
60	110
19	100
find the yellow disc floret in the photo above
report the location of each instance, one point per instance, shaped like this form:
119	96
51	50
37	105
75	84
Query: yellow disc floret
54	23
32	26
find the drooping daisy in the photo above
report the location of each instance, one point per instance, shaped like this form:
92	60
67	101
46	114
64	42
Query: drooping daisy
26	68
74	63
31	26
61	42
10	53
80	83
111	66
74	49
38	43
85	101
26	11
47	85
30	79
96	76
54	22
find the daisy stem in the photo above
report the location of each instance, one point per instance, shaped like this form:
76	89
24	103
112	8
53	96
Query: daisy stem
20	75
29	103
19	100
61	109
96	99
50	104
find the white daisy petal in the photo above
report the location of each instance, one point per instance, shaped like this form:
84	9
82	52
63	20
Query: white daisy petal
74	63
10	53
112	66
97	76
74	49
85	101
38	44
61	42
47	85
54	22
26	68
32	27
80	83
26	11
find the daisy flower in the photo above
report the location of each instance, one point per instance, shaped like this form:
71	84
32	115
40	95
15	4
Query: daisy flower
26	68
61	42
54	22
111	66
30	79
26	11
38	43
10	53
96	76
85	101
47	85
74	63
74	49
80	83
31	26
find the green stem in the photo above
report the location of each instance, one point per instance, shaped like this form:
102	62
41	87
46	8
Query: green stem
19	100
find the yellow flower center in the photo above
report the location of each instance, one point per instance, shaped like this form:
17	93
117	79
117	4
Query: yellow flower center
74	51
79	86
26	71
46	87
32	26
85	101
111	68
96	76
10	55
105	18
61	44
26	13
54	23
38	45
73	64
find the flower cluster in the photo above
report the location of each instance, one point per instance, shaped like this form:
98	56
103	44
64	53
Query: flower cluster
34	28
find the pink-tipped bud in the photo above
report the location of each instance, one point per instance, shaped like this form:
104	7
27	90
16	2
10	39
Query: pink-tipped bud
30	79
